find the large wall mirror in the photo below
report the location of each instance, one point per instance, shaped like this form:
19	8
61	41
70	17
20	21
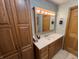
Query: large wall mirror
44	20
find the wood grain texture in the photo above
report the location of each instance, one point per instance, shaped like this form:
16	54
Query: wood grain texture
71	37
7	32
46	23
55	47
49	51
22	19
15	29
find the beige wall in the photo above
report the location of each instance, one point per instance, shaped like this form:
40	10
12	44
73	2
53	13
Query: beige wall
63	13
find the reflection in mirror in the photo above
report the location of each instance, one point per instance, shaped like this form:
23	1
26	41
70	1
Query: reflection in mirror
44	21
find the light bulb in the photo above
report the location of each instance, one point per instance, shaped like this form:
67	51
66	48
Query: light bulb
46	12
42	12
38	11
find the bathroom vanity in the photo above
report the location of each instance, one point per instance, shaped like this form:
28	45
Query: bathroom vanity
47	47
48	42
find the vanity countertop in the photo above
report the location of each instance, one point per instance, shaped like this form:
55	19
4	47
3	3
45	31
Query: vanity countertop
45	41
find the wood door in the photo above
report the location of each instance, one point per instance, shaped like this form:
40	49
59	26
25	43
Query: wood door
7	32
46	23
71	38
22	18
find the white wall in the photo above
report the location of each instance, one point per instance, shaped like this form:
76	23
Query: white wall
45	5
63	13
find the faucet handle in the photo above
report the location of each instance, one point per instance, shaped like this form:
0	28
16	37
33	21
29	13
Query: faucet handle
35	39
38	36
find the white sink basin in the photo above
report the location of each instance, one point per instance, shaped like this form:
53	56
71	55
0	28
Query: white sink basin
53	36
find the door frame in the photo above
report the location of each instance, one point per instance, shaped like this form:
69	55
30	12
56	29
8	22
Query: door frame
67	24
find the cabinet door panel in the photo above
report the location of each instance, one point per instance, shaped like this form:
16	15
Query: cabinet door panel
7	32
52	51
21	11
6	41
14	56
55	47
27	53
24	36
21	14
59	44
4	19
44	51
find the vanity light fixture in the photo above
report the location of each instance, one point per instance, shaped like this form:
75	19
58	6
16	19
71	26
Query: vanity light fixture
49	13
42	12
38	11
46	13
53	14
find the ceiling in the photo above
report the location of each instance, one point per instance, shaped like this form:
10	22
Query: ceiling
58	1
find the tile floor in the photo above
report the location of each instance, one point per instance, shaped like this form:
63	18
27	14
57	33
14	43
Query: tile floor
62	54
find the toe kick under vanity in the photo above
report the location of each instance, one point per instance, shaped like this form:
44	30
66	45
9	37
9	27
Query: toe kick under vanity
47	47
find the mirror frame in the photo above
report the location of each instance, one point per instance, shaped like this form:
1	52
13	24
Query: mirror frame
35	19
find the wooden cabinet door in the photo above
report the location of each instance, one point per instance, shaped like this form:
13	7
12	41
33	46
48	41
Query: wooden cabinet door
71	41
22	18
24	36
7	45
13	56
3	14
52	51
27	53
44	53
59	44
55	47
7	33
